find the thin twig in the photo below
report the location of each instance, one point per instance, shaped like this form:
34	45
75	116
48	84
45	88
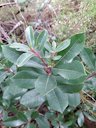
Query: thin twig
4	33
6	4
89	95
92	75
17	5
16	26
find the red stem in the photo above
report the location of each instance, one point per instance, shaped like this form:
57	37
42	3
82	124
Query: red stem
39	56
47	69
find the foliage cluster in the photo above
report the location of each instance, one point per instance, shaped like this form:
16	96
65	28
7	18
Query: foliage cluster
45	82
41	81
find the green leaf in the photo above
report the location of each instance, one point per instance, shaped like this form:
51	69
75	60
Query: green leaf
48	46
29	33
42	39
34	64
35	113
74	82
76	46
32	99
2	76
80	119
54	45
88	58
23	79
10	92
19	47
45	84
1	50
21	115
10	53
23	59
1	66
66	88
56	57
13	122
42	122
57	100
74	99
69	86
63	45
73	70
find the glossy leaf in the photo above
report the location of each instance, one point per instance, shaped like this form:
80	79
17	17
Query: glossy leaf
20	47
45	84
1	66
2	76
12	91
74	99
10	53
23	79
76	46
48	46
29	33
75	81
57	100
34	64
56	57
13	122
80	119
70	86
42	122
71	70
63	45
66	88
32	99
88	58
23	59
42	39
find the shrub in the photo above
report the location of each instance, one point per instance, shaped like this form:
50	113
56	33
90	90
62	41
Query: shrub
41	81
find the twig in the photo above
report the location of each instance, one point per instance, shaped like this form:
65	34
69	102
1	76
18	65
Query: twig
92	75
16	26
6	4
4	33
17	5
89	95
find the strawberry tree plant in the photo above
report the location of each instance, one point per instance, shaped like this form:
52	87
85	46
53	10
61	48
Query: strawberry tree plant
40	81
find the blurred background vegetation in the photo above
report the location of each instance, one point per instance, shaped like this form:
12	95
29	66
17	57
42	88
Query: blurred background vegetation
62	18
